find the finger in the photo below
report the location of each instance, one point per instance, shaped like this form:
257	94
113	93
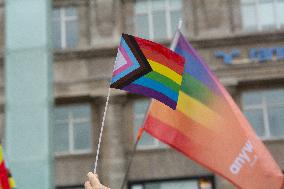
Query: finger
87	185
94	181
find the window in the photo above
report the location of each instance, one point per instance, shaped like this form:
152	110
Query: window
265	111
200	183
157	19
262	14
70	187
147	141
72	131
65	27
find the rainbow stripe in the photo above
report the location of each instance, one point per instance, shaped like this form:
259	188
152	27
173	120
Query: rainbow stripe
160	77
208	127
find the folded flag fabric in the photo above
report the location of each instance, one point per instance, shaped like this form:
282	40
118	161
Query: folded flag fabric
12	182
6	179
209	128
147	68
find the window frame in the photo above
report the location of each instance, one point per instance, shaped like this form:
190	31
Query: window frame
199	177
149	13
63	19
263	107
71	121
256	4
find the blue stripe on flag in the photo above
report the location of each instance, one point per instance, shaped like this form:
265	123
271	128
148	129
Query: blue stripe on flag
157	86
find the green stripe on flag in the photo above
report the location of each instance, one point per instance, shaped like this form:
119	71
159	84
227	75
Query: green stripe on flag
196	89
164	80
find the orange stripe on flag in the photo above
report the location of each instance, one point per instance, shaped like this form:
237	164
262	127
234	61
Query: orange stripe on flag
163	60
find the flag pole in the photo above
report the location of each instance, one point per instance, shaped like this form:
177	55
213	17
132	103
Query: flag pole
102	129
139	135
176	37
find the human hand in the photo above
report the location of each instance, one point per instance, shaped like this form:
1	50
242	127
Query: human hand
93	182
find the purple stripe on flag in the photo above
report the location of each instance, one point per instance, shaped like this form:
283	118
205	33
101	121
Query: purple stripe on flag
138	89
194	66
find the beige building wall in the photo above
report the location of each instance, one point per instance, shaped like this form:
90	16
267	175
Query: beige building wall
82	75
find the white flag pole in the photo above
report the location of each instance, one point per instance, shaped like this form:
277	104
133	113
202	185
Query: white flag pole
175	39
102	129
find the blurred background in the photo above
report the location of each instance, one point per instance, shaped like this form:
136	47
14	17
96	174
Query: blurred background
53	87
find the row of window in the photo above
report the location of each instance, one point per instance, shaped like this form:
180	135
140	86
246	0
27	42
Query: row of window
198	183
263	108
158	19
192	183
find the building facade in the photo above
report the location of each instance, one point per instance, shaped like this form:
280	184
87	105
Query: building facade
241	40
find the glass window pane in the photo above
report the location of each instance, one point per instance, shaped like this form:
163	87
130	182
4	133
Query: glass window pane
56	14
81	111
176	4
71	34
276	120
152	186
137	186
141	6
146	140
252	98
255	117
274	96
266	15
61	137
249	17
141	106
160	25
142	26
61	113
56	34
158	5
180	185
175	18
247	1
70	11
280	12
82	136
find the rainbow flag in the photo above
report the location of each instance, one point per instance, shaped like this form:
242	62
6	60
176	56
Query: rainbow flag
147	68
209	128
6	179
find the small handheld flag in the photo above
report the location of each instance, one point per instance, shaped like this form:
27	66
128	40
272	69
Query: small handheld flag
147	68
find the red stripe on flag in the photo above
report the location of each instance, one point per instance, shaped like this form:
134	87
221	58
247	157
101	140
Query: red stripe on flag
175	139
161	59
154	47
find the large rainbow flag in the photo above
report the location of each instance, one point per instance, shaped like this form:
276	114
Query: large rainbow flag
208	127
147	68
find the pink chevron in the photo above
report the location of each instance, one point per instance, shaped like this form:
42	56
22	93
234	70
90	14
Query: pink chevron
128	61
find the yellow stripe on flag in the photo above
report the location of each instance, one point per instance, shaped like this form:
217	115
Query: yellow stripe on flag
163	70
198	111
12	182
1	154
